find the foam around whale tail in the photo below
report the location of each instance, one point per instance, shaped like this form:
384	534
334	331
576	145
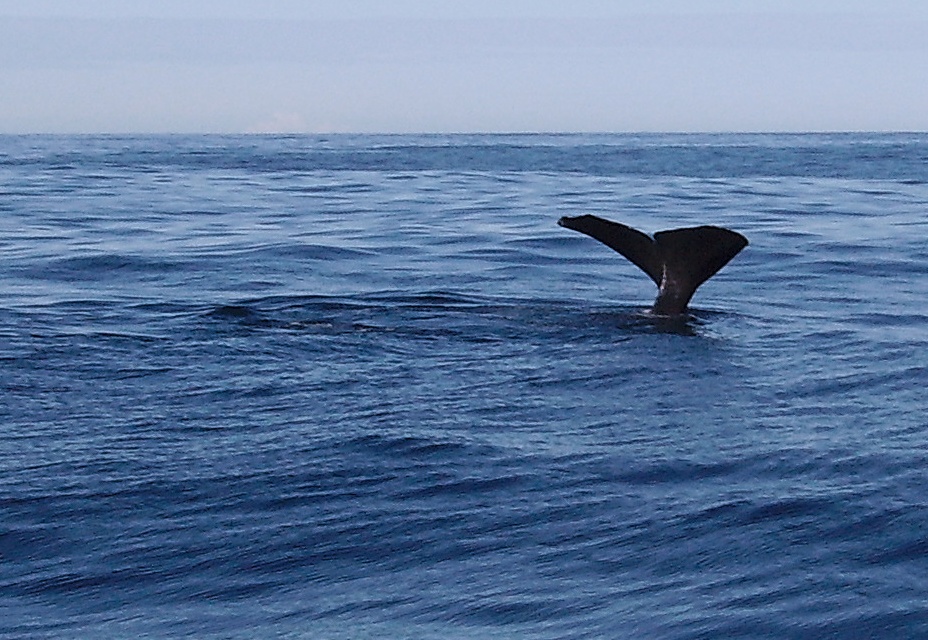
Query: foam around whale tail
678	261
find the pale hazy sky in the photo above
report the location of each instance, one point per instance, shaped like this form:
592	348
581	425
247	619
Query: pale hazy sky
462	65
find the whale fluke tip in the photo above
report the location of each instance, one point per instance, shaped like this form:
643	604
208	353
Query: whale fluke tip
677	260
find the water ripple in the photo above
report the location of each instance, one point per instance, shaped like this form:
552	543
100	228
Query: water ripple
342	386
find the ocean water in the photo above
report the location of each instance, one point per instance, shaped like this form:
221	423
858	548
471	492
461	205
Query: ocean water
365	387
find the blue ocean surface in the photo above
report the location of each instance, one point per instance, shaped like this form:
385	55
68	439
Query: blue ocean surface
365	387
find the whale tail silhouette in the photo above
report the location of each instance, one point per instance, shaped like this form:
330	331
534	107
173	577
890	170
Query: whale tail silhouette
678	261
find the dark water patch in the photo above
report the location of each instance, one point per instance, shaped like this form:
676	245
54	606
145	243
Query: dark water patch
438	314
236	312
411	447
340	189
677	472
103	266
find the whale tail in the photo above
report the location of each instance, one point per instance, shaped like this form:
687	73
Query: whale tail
678	261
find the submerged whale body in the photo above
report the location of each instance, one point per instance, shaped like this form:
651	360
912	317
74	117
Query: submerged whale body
678	261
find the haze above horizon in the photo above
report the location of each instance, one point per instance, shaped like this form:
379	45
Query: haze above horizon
283	66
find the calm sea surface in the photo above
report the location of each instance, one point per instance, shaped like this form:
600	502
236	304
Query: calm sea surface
365	387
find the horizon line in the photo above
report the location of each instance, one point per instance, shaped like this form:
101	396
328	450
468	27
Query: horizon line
470	133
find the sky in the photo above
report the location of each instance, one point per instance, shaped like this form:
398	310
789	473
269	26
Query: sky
363	66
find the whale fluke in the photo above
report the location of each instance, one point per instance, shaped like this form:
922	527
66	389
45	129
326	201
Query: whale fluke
678	261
